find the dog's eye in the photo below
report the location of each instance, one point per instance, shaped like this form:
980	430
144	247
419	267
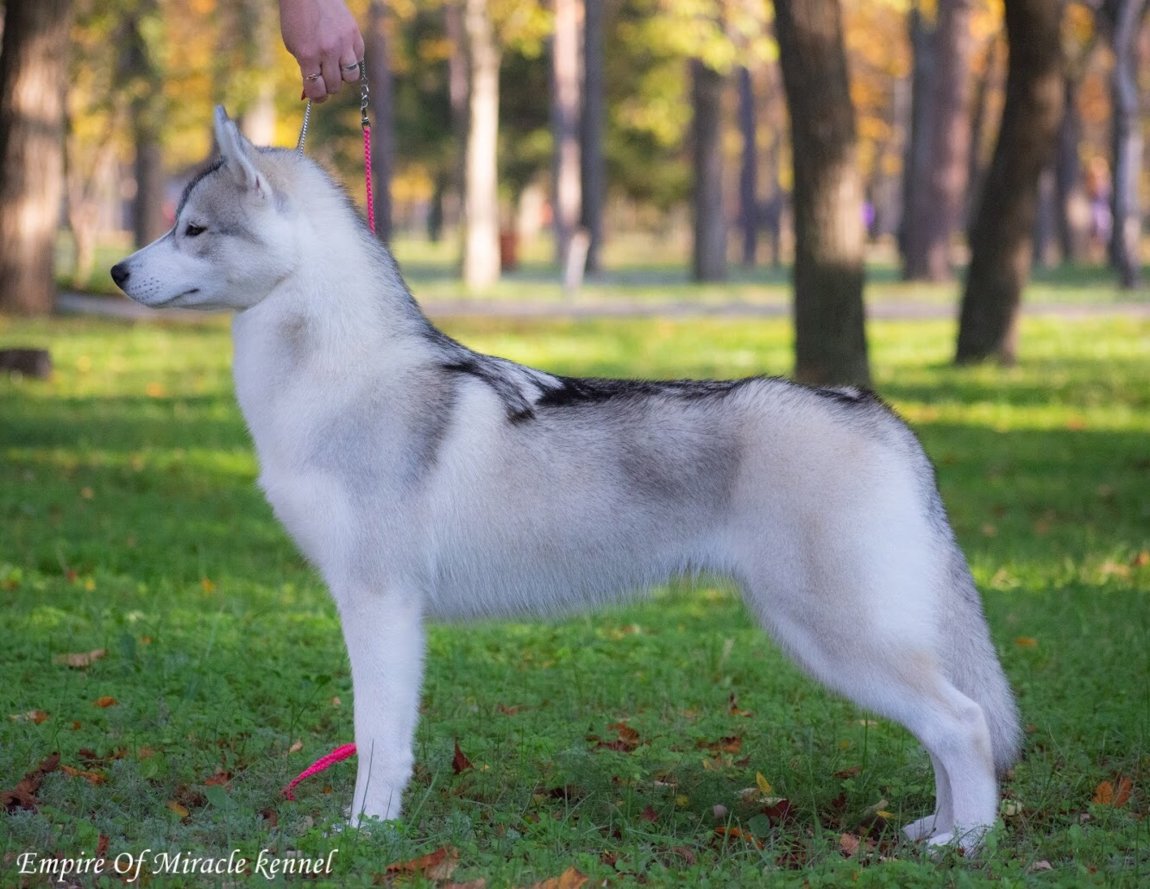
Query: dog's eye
191	230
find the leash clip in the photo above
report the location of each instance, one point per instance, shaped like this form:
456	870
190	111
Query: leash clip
364	121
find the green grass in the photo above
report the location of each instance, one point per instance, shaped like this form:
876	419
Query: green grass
130	522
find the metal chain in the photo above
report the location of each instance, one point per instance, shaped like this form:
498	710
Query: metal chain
363	95
303	127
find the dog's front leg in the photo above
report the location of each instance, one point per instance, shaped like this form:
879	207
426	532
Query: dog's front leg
384	636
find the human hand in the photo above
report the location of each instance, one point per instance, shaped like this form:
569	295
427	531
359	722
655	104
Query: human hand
325	40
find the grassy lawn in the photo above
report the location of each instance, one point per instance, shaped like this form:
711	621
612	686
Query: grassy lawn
622	744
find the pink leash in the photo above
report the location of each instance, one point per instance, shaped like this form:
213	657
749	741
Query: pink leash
324	762
346	750
365	123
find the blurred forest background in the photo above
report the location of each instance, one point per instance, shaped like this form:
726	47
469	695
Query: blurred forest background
926	133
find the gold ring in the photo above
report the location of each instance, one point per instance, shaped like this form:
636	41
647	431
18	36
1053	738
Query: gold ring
312	78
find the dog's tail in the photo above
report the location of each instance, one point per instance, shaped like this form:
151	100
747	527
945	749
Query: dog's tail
971	663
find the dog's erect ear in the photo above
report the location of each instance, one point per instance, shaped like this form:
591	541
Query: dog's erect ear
239	155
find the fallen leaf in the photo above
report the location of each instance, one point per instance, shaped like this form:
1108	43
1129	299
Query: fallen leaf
569	879
737	833
34	716
729	744
1040	866
90	777
80	659
106	701
1026	642
296	747
459	762
779	811
733	707
850	772
437	865
626	740
849	844
763	784
23	795
1107	794
219	779
685	853
649	814
178	808
508	711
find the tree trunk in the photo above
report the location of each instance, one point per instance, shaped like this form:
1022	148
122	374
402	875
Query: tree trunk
140	76
709	259
1067	173
977	161
1126	134
917	155
450	193
592	169
566	101
481	185
1001	235
937	206
830	337
748	168
33	79
377	58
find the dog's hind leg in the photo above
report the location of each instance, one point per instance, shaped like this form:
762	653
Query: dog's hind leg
939	822
384	636
893	678
855	622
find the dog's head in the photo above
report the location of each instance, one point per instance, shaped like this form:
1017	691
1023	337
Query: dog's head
233	240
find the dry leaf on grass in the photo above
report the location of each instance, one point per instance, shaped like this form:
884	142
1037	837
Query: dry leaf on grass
79	659
459	761
23	795
569	879
90	777
33	716
1108	793
626	740
437	865
737	833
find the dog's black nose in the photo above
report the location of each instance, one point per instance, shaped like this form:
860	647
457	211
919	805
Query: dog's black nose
120	274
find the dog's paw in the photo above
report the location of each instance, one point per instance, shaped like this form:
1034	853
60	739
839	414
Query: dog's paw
968	840
922	829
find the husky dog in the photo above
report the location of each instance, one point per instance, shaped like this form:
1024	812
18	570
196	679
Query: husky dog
423	479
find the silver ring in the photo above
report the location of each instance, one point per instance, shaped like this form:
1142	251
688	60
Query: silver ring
312	78
354	66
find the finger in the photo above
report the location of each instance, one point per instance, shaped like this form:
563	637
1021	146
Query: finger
314	87
349	68
332	79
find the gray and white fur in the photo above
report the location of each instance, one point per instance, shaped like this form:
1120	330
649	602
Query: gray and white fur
426	480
